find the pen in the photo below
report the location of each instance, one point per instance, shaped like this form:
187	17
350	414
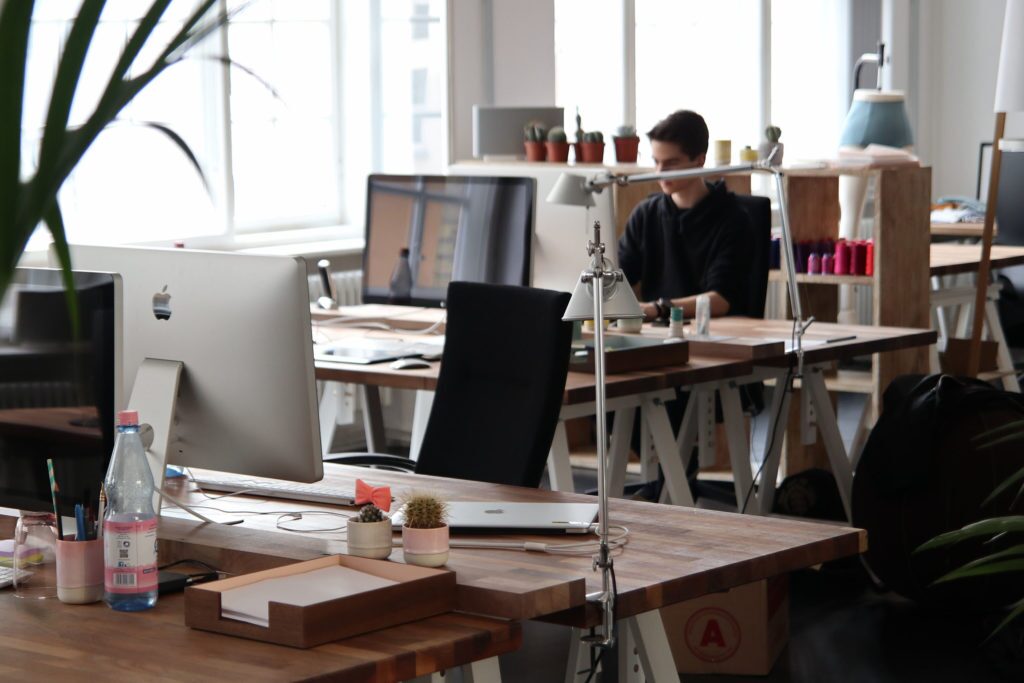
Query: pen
53	496
841	339
99	512
80	534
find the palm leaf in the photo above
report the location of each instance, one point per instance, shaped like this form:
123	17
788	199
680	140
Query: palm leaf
1010	481
983	570
1016	611
55	222
182	145
1015	551
15	19
986	527
227	61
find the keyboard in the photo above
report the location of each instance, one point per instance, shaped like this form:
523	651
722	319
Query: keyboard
310	493
7	576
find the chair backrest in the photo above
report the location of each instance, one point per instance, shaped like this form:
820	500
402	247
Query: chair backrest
1010	206
496	406
760	211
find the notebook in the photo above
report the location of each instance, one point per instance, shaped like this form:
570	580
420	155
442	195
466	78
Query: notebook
495	517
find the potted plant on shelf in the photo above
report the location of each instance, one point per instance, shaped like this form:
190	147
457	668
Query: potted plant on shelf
771	136
627	144
558	145
26	200
369	533
534	138
592	148
425	532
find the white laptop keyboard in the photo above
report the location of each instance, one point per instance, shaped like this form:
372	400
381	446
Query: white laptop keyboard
7	576
310	493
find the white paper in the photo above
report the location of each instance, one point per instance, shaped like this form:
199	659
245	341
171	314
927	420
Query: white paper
251	603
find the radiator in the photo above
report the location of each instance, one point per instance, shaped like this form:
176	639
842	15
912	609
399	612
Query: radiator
347	283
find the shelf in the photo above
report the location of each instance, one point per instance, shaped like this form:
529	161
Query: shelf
776	275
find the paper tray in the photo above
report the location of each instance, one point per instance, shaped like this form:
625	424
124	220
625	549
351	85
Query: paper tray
419	593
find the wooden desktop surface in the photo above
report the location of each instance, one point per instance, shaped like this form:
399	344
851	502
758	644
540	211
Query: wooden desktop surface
965	230
579	386
674	553
949	259
46	640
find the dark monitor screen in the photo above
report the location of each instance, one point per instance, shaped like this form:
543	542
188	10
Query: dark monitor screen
57	394
473	228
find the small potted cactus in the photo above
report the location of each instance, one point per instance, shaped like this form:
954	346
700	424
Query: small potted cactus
626	144
369	533
592	148
534	137
558	145
425	532
771	135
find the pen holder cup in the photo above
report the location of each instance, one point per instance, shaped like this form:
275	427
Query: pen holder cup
80	571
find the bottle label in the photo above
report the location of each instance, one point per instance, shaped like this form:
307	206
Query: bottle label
130	556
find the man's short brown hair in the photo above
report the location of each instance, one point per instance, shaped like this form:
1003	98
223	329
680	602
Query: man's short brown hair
684	128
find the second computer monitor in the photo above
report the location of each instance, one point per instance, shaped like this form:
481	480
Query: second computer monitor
422	232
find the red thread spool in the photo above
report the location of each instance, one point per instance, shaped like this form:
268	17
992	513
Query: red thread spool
870	266
827	264
859	259
841	266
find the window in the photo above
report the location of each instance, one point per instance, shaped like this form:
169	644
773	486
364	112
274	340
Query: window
355	86
740	63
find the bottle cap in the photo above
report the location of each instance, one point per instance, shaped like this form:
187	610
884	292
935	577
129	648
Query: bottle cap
127	418
676	314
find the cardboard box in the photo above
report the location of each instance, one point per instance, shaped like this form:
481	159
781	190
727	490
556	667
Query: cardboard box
741	631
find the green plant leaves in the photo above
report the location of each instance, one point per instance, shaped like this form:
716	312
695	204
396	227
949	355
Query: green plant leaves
986	527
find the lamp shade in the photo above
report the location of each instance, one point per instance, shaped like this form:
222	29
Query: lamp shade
619	301
1010	78
571	189
877	117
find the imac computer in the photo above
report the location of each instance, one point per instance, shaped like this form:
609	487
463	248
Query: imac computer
422	232
218	358
58	393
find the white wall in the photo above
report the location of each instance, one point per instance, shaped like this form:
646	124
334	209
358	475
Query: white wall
500	52
958	55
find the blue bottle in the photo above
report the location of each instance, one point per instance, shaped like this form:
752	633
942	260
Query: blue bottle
129	523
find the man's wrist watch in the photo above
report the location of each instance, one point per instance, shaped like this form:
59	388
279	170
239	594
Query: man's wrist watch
664	306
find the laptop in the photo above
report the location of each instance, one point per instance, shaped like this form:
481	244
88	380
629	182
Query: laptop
502	517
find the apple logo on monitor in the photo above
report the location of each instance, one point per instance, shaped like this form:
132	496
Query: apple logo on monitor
162	304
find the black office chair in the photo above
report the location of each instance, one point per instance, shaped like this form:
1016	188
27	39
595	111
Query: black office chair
1010	219
760	211
496	406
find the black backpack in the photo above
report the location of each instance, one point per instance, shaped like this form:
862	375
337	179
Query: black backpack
923	473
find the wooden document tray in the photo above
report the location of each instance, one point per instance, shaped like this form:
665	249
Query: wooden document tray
629	352
419	593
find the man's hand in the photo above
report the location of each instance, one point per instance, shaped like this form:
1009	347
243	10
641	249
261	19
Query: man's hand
650	311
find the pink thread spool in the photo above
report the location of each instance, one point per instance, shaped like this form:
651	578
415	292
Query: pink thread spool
841	265
814	263
827	264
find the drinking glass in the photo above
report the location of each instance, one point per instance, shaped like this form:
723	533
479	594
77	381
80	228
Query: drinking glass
35	558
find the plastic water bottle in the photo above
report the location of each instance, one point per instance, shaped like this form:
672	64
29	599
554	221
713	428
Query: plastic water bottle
400	290
129	523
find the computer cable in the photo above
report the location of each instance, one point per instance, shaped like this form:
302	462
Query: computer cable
787	387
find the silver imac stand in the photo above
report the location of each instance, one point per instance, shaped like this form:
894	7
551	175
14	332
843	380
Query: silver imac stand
154	396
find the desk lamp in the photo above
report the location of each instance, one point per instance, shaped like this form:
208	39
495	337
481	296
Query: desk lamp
1009	97
617	301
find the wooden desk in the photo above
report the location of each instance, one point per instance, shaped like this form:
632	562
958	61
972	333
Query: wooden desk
961	230
673	554
626	392
50	641
950	259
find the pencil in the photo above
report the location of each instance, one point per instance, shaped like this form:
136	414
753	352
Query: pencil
100	511
53	496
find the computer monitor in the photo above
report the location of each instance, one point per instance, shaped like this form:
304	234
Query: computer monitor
57	394
473	228
239	324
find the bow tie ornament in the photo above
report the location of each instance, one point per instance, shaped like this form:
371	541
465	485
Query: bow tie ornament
378	495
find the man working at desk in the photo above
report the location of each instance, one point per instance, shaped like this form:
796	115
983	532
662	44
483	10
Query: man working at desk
693	237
